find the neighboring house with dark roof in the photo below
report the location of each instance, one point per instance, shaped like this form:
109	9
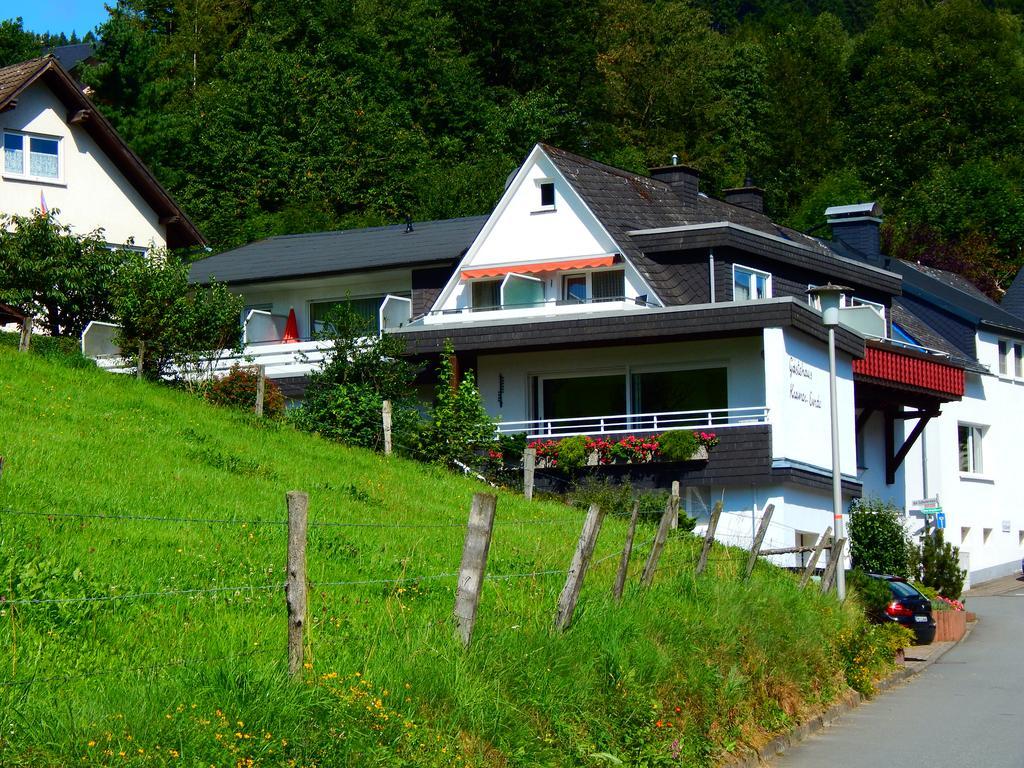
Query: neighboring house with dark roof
70	56
969	456
61	153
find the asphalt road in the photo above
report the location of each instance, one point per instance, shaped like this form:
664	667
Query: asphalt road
965	710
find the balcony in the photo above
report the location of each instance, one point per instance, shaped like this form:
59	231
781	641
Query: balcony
636	423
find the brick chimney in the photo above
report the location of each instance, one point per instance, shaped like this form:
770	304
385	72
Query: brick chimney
748	196
857	227
685	181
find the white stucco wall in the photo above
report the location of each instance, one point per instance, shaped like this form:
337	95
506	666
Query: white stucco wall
299	294
742	357
797	394
521	230
976	505
92	193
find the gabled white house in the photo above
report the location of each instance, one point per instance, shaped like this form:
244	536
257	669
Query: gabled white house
59	152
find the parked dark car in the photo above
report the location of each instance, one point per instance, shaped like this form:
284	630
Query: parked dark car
909	608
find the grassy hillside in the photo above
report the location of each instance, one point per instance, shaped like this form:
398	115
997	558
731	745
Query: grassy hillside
676	675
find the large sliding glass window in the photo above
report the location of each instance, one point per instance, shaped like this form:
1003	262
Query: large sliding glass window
693	390
367	308
583	396
487	294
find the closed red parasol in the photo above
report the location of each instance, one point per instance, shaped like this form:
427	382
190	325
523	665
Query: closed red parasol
291	328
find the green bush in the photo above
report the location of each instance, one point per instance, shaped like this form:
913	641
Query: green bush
573	452
878	541
57	349
678	445
870	652
459	424
940	566
874	594
361	370
238	390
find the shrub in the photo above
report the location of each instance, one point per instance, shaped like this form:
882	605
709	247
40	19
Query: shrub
878	541
573	452
874	594
238	390
360	371
678	445
869	653
940	566
638	450
459	424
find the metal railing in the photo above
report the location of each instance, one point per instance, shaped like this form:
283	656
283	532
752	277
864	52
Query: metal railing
636	423
571	302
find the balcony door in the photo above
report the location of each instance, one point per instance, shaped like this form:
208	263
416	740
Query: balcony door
573	397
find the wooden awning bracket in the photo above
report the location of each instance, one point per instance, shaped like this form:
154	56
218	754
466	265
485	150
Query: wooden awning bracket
893	458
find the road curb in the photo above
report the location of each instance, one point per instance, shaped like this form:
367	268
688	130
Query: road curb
850	701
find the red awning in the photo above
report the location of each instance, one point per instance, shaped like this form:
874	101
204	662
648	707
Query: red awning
902	368
542	266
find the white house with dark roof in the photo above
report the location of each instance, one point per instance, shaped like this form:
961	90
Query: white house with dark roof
597	301
59	152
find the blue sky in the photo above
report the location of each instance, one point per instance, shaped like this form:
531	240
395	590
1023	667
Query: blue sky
56	15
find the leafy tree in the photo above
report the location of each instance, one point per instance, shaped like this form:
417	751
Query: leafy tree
16	44
940	566
878	541
459	424
177	329
360	371
60	278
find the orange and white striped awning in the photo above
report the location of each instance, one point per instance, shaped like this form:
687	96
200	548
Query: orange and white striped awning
541	266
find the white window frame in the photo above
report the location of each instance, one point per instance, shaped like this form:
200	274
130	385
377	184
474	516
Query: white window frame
26	175
1004	351
540	208
564	292
589	275
477	281
975	448
752	283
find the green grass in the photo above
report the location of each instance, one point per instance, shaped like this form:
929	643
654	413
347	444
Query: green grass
675	675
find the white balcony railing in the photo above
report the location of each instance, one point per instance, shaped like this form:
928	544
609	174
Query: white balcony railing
636	423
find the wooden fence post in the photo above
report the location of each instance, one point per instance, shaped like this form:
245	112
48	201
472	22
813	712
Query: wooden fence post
261	388
627	551
474	563
26	334
295	588
529	466
709	538
674	501
813	562
835	560
578	568
385	415
762	529
659	544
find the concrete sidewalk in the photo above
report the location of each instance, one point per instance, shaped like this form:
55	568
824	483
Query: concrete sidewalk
996	587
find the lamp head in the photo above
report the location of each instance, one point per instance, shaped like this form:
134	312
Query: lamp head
830	299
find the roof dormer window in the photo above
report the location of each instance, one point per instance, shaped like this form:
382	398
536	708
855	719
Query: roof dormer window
36	158
546	193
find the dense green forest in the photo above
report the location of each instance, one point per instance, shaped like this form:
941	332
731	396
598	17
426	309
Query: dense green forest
275	116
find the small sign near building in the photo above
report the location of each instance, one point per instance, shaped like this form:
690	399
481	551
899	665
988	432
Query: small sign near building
940	520
926	506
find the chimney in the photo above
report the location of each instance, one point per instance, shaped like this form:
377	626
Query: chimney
685	181
748	196
857	227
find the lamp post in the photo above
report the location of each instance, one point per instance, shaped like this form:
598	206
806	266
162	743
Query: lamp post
830	298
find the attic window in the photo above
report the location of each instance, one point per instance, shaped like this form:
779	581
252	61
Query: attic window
547	194
31	157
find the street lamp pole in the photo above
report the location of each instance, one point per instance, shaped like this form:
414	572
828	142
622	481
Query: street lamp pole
831	298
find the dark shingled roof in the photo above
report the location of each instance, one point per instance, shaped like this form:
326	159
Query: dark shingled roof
1013	301
625	202
956	294
926	336
70	56
324	253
